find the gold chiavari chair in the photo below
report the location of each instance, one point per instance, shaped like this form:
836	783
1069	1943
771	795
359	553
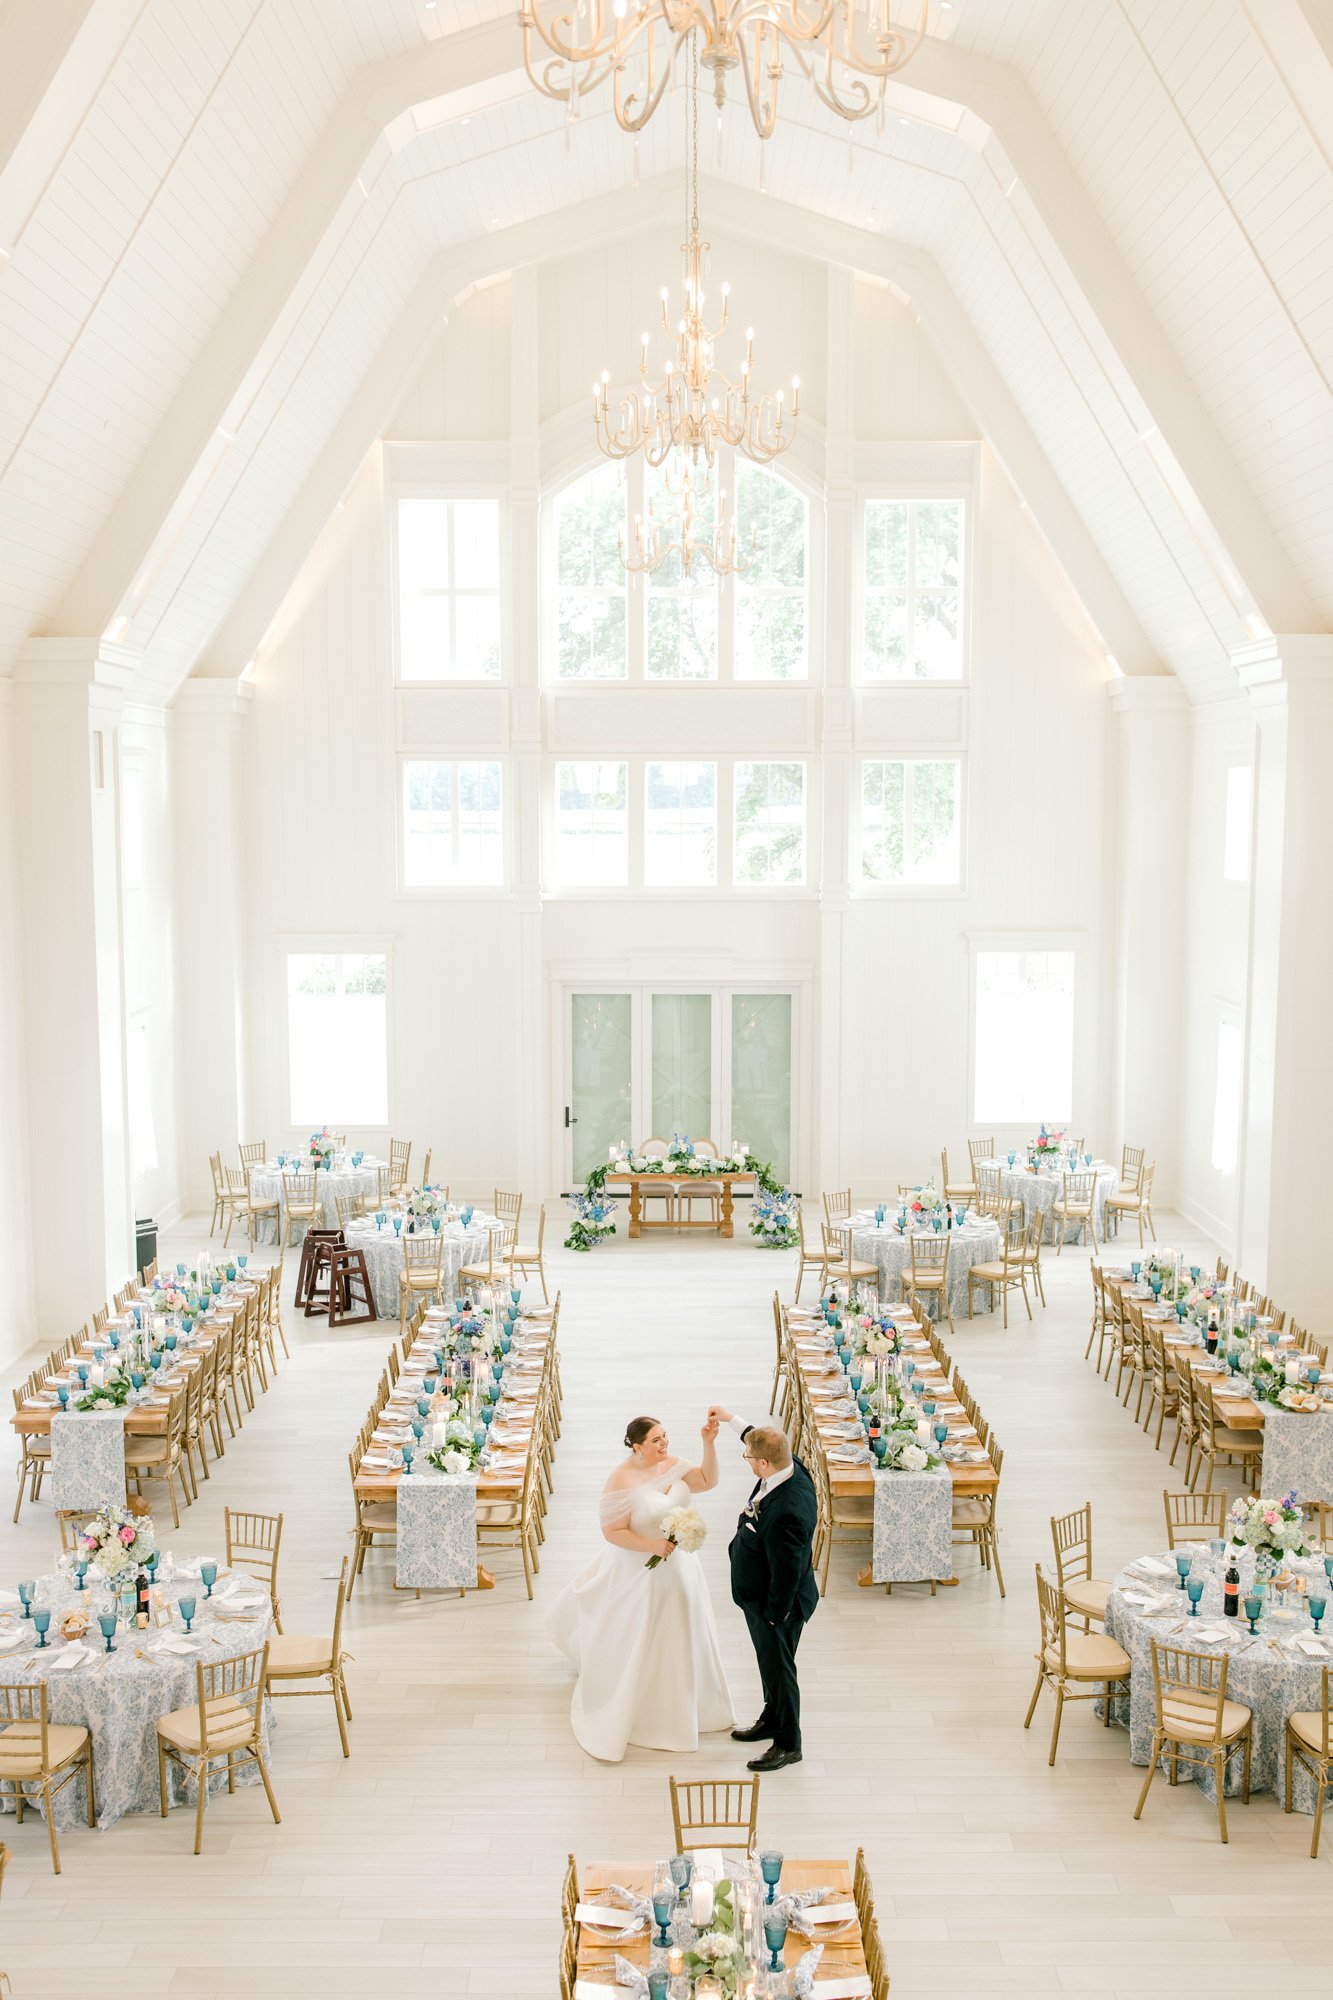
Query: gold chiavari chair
262	1208
253	1543
226	1720
38	1753
955	1190
301	1209
254	1155
848	1520
990	1191
1310	1738
149	1272
524	1262
714	1812
840	1265
1076	1666
782	1390
1319	1522
838	1205
400	1154
238	1197
193	1437
1131	1169
1075	1208
299	1657
1129	1353
495	1268
810	1260
422	1274
34	1451
929	1251
862	1893
1034	1237
513	1523
1101	1324
1194	1722
163	1458
569	1960
270	1303
72	1521
221	1192
1219	1443
974	1514
509	1210
1006	1272
227	1395
376	1521
100	1318
979	1150
123	1298
1159	1380
1085	1595
1195	1517
1138	1204
569	1890
350	1207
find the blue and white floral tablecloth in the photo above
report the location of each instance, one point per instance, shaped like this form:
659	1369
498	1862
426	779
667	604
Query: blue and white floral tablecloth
437	1531
87	1459
330	1182
384	1255
977	1242
1040	1191
1270	1673
120	1697
913	1536
1298	1452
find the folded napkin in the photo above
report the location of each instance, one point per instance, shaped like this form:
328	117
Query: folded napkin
72	1656
837	1914
793	1905
12	1641
848	1454
1314	1647
844	1986
604	1917
173	1643
1150	1566
1209	1634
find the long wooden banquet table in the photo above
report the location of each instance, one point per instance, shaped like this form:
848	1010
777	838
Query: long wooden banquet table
857	1482
502	1479
843	1956
680	1184
1242	1412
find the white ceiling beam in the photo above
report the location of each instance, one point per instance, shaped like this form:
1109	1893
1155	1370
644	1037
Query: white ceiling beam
606	218
1297	37
57	54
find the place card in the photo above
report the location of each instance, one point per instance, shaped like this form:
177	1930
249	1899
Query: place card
830	1913
1210	1634
606	1917
853	1987
66	1661
1309	1644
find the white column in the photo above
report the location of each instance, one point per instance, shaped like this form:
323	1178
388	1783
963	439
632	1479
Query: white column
1152	822
68	699
837	732
210	734
1288	1107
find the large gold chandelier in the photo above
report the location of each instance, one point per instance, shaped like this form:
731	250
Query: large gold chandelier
845	49
693	540
695	407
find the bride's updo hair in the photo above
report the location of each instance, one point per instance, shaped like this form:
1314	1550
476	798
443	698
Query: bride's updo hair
637	1430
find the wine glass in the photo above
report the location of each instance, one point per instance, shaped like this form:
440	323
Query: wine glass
208	1576
770	1867
664	1897
775	1936
1318	1605
80	1571
1254	1605
41	1624
1195	1589
107	1621
681	1867
25	1594
1183	1566
185	1605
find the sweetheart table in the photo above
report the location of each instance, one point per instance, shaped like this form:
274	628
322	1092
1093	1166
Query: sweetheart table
680	1184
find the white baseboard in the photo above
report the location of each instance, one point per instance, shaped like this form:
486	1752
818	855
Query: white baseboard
1212	1226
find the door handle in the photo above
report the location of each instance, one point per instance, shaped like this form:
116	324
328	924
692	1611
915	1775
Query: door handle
568	1120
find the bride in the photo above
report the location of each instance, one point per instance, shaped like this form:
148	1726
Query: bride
643	1640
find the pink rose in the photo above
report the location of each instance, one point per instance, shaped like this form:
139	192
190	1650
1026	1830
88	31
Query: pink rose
127	1535
1269	1520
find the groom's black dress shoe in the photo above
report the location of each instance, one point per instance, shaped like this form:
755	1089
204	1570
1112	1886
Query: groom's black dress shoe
774	1759
756	1733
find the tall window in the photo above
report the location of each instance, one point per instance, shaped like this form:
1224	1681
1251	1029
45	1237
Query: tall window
591	625
448	590
452	830
913	589
769	823
337	1038
592	825
771	596
667	626
1024	1037
680	825
1227	1096
910	821
1236	835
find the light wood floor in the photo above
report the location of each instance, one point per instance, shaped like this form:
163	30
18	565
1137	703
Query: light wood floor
430	1863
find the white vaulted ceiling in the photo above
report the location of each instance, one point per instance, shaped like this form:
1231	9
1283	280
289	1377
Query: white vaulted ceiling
232	227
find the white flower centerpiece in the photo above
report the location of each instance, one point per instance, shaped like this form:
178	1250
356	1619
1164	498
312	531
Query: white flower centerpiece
423	1204
1274	1529
115	1542
323	1146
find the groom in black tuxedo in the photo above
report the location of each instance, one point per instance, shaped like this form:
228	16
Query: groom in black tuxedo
773	1582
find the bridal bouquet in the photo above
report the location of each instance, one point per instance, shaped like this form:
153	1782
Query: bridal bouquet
686	1527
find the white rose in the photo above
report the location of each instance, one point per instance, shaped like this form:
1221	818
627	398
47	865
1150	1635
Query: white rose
456	1461
913	1459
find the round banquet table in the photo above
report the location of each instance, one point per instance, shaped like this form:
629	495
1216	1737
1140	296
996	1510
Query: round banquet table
383	1248
1269	1673
120	1697
1039	1189
330	1182
976	1242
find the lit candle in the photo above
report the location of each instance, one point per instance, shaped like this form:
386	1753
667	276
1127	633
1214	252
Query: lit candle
676	1962
701	1904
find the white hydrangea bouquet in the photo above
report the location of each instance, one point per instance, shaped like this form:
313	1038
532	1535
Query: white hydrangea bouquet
116	1541
323	1146
686	1527
1274	1529
425	1202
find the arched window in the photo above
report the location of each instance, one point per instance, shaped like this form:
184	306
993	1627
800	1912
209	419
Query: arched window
608	625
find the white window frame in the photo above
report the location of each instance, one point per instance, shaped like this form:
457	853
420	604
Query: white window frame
925	490
1084	1090
449	891
726	759
636	673
863	885
449	488
667	763
314	944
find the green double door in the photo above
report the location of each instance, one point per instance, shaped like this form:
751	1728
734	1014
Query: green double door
644	1063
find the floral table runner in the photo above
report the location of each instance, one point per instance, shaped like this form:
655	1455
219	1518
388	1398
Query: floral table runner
437	1531
87	1460
913	1536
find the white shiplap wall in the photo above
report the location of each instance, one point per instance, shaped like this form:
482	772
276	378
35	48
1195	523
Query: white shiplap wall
16	1272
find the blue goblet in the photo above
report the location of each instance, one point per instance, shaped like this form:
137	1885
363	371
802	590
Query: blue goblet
80	1571
185	1605
681	1867
418	1429
208	1576
855	1377
662	1915
770	1867
409	1453
423	1406
515	1296
1183	1564
659	1982
243	1259
775	1936
488	1414
25	1595
1328	1568
941	1432
1195	1590
1318	1606
81	1371
107	1621
62	1390
1254	1605
879	1446
180	1270
41	1623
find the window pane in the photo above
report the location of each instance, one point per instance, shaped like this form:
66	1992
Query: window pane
885	635
770	823
883	821
423	545
939	540
680	825
682	611
337	1040
477	637
590	583
912	619
423	638
592	825
1226	1097
480	843
1025	1037
449	589
761	1077
427	823
936	645
886	542
770	597
770	636
1236	839
682	1065
934	823
476	544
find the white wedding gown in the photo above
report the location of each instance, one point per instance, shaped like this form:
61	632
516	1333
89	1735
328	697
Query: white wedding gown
644	1643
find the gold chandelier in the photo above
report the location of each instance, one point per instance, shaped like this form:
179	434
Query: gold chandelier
695	407
693	542
845	49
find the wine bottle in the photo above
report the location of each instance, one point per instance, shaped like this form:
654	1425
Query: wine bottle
142	1601
1231	1591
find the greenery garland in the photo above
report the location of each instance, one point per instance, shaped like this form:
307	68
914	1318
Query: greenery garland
593	1207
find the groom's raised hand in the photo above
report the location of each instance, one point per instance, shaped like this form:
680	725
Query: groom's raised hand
717	1415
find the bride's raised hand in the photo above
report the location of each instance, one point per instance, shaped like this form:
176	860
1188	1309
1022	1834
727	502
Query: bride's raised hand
710	1428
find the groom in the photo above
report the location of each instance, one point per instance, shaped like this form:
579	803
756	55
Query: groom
773	1582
